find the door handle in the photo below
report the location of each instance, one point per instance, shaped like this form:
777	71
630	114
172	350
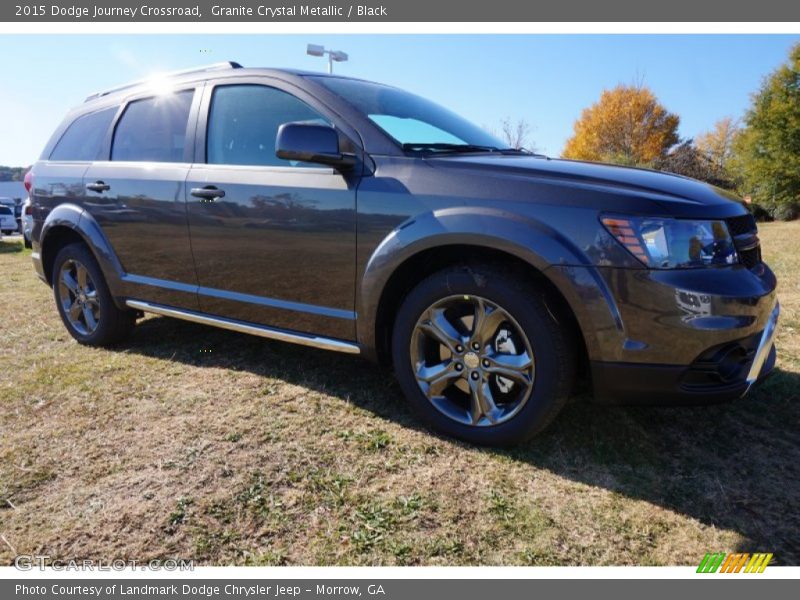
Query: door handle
209	192
98	186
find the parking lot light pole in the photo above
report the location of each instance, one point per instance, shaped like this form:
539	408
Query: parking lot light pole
333	55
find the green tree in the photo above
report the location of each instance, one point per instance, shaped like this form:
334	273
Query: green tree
767	151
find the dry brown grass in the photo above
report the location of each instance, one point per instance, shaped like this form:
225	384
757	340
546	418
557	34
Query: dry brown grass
198	443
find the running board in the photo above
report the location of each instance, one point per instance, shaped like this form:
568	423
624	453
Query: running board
259	330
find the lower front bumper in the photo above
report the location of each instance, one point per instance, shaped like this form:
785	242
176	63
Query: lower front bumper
720	374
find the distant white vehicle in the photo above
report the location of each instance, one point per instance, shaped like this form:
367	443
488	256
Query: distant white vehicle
8	224
15	211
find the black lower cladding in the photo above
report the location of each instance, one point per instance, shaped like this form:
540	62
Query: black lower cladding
718	375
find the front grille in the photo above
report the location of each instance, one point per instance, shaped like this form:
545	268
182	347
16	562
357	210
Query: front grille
744	224
744	231
750	258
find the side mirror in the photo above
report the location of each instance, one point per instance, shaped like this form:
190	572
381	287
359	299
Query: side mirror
313	143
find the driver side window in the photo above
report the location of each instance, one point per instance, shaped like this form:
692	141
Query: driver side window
243	121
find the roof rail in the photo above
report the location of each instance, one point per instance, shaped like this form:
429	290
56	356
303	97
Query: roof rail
229	64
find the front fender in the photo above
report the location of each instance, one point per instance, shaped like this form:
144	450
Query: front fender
73	217
532	241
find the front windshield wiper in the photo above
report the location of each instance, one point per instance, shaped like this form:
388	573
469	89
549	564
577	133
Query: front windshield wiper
440	147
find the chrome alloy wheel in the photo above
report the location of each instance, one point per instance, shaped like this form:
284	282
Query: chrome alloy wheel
472	360
78	296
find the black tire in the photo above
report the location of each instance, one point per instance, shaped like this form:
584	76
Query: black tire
551	343
27	242
112	324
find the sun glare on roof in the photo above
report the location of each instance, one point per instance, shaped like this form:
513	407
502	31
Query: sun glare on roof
160	85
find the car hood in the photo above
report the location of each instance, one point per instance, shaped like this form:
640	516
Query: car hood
655	185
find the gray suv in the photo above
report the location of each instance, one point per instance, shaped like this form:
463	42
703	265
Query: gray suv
356	217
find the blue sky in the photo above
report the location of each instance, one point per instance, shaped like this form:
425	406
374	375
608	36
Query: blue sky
545	79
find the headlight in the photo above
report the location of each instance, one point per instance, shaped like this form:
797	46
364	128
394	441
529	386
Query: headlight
662	243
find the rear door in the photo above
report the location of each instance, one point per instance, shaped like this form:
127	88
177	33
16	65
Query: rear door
137	196
278	248
59	176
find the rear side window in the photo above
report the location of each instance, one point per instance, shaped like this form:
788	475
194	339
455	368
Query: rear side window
83	139
153	129
244	120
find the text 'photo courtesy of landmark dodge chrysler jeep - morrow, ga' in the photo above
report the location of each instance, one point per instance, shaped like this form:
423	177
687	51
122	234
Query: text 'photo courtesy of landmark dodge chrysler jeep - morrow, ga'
354	216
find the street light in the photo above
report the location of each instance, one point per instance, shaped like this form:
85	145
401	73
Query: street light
333	55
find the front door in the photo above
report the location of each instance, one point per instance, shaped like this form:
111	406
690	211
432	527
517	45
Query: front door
273	241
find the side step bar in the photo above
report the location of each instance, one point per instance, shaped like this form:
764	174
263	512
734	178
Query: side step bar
259	330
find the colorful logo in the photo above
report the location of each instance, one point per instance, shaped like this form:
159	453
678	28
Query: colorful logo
714	562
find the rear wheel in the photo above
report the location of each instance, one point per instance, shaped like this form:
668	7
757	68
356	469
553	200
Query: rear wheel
84	301
480	357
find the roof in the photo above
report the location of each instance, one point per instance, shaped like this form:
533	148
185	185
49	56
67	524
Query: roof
193	73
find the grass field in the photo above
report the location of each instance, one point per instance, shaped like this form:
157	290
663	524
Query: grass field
198	443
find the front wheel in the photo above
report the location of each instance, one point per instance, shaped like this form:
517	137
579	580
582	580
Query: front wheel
480	356
84	301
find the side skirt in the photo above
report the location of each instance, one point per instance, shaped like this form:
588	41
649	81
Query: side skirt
259	330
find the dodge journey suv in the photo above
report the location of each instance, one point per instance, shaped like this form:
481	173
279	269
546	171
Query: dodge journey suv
356	217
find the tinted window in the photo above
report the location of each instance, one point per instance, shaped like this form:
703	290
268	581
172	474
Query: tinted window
84	137
244	120
4	210
153	129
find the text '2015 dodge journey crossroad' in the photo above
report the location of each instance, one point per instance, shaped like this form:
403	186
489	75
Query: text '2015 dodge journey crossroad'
354	216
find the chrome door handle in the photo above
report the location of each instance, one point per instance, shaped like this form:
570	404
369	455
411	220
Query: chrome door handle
98	186
209	192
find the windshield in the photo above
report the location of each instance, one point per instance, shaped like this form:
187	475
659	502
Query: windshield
413	122
4	210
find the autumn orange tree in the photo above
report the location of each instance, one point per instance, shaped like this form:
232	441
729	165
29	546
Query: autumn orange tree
627	125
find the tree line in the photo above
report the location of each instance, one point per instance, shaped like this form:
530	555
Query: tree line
12	173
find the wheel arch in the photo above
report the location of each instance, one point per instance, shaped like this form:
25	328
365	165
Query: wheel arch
68	223
421	264
434	240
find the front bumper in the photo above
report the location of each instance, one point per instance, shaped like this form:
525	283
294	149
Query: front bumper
764	359
673	336
721	374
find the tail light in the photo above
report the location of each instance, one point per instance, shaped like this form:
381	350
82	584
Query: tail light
28	181
28	209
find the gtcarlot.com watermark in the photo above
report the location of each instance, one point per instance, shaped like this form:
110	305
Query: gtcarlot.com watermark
30	562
